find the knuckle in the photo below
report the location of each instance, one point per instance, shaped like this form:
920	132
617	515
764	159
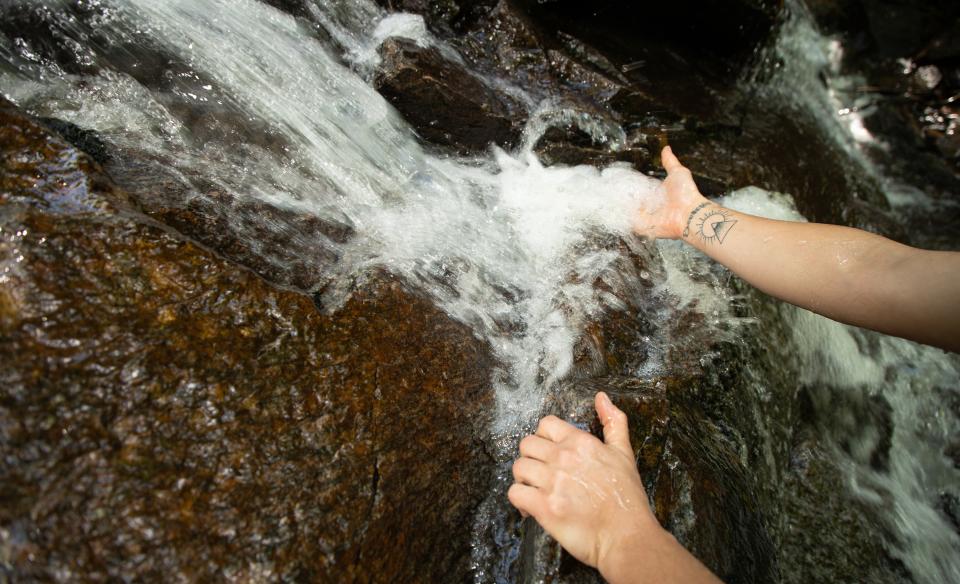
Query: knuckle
584	441
548	421
557	505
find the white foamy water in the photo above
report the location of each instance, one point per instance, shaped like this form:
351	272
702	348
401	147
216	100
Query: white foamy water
498	241
495	240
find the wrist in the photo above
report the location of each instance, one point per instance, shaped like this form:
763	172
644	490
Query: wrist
618	560
687	223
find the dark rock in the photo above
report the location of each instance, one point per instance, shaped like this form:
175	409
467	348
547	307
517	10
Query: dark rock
87	141
718	35
903	27
283	246
298	8
44	172
585	77
838	16
572	146
944	47
165	414
637	109
826	536
74	39
443	101
950	505
507	43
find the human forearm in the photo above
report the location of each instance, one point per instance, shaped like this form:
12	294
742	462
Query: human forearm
819	267
653	557
845	274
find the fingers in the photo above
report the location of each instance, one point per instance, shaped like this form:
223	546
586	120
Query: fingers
616	432
554	429
531	472
537	448
528	500
670	162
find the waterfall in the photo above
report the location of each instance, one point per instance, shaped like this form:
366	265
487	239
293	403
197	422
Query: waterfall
496	240
264	107
804	73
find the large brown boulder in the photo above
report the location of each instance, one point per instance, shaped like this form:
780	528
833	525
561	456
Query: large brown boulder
167	415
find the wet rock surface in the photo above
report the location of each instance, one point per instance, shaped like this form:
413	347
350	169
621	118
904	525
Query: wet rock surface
660	89
167	414
282	245
571	146
445	103
909	58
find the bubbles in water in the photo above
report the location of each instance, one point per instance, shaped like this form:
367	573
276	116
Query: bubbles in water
499	242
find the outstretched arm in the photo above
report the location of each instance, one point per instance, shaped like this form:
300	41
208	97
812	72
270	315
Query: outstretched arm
845	274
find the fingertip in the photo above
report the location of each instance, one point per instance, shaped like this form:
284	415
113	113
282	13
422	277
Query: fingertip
615	424
553	428
605	407
600	403
669	159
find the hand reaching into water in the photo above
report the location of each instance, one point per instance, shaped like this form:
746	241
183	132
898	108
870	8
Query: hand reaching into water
666	218
845	274
588	495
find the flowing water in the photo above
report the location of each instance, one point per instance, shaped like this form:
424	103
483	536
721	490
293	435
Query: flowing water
493	239
918	383
262	106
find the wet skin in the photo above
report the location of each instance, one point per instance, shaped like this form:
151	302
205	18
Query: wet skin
588	494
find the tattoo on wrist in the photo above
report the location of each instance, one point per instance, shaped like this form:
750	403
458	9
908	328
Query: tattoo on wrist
686	230
715	224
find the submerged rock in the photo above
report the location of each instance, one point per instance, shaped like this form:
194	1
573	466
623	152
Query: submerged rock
284	246
165	414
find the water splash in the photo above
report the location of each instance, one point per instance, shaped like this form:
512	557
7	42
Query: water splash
497	241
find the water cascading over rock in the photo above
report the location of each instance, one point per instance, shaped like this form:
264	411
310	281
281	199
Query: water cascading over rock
287	331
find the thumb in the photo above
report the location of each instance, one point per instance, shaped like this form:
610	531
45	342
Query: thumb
669	160
615	430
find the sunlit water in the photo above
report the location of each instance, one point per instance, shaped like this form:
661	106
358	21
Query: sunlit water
498	241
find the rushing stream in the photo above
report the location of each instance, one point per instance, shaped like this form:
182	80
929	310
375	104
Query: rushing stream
267	109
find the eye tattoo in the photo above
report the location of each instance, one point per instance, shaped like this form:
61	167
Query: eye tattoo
715	225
